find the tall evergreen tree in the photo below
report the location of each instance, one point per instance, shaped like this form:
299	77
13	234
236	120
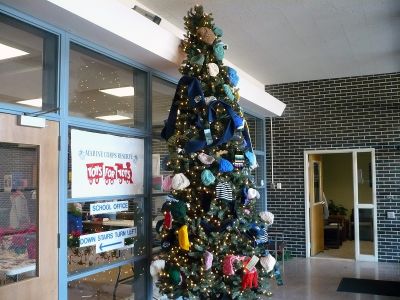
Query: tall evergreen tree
213	238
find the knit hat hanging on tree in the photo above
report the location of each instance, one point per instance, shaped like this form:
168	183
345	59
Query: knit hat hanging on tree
212	235
206	159
167	183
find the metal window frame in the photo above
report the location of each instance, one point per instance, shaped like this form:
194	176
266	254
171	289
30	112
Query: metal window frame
65	121
64	41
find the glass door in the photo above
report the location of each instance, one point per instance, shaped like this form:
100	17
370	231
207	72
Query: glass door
28	210
315	203
364	206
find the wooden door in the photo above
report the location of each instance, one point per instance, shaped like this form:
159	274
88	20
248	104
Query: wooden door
33	273
316	205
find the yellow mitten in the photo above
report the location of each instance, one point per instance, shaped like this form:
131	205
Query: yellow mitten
183	238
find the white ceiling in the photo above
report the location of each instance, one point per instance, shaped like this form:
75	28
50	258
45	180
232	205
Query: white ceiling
279	41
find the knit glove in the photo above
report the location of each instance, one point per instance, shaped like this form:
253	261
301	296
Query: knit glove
183	238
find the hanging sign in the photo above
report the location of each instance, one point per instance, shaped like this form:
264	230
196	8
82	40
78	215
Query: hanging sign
107	240
105	165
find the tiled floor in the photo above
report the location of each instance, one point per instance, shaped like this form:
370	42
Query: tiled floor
318	278
101	286
346	250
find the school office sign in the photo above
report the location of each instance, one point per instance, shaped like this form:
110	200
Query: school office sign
108	207
106	165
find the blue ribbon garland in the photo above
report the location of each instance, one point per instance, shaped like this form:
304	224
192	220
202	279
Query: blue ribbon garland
195	93
196	97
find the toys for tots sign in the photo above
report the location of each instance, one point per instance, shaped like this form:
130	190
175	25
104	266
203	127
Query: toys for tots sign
106	165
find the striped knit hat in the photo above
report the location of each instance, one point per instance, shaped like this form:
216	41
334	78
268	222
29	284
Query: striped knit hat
239	161
224	191
262	237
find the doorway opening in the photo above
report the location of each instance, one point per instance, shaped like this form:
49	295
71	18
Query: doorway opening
340	204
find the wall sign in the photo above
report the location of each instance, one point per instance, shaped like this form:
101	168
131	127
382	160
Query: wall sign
106	165
107	240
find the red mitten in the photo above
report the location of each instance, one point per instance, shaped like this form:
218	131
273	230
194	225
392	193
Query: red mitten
250	277
167	220
255	279
247	279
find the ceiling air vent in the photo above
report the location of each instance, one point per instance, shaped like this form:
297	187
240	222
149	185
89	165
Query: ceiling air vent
148	15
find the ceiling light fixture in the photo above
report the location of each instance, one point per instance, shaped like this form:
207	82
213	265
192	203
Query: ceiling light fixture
31	102
113	118
119	116
10	52
120	92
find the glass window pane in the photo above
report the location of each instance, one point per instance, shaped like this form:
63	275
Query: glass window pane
364	174
316	181
126	282
366	231
157	221
113	168
97	236
162	94
18	212
259	180
106	90
337	183
28	65
259	172
256	131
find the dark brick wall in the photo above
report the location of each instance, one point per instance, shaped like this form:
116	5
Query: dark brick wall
353	112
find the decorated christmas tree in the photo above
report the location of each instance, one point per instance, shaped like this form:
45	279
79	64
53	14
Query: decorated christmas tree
213	238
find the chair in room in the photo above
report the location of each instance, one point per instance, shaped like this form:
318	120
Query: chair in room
332	235
343	224
277	244
335	231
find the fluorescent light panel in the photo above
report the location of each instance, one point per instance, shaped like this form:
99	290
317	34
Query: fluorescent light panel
32	102
10	52
113	118
120	92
